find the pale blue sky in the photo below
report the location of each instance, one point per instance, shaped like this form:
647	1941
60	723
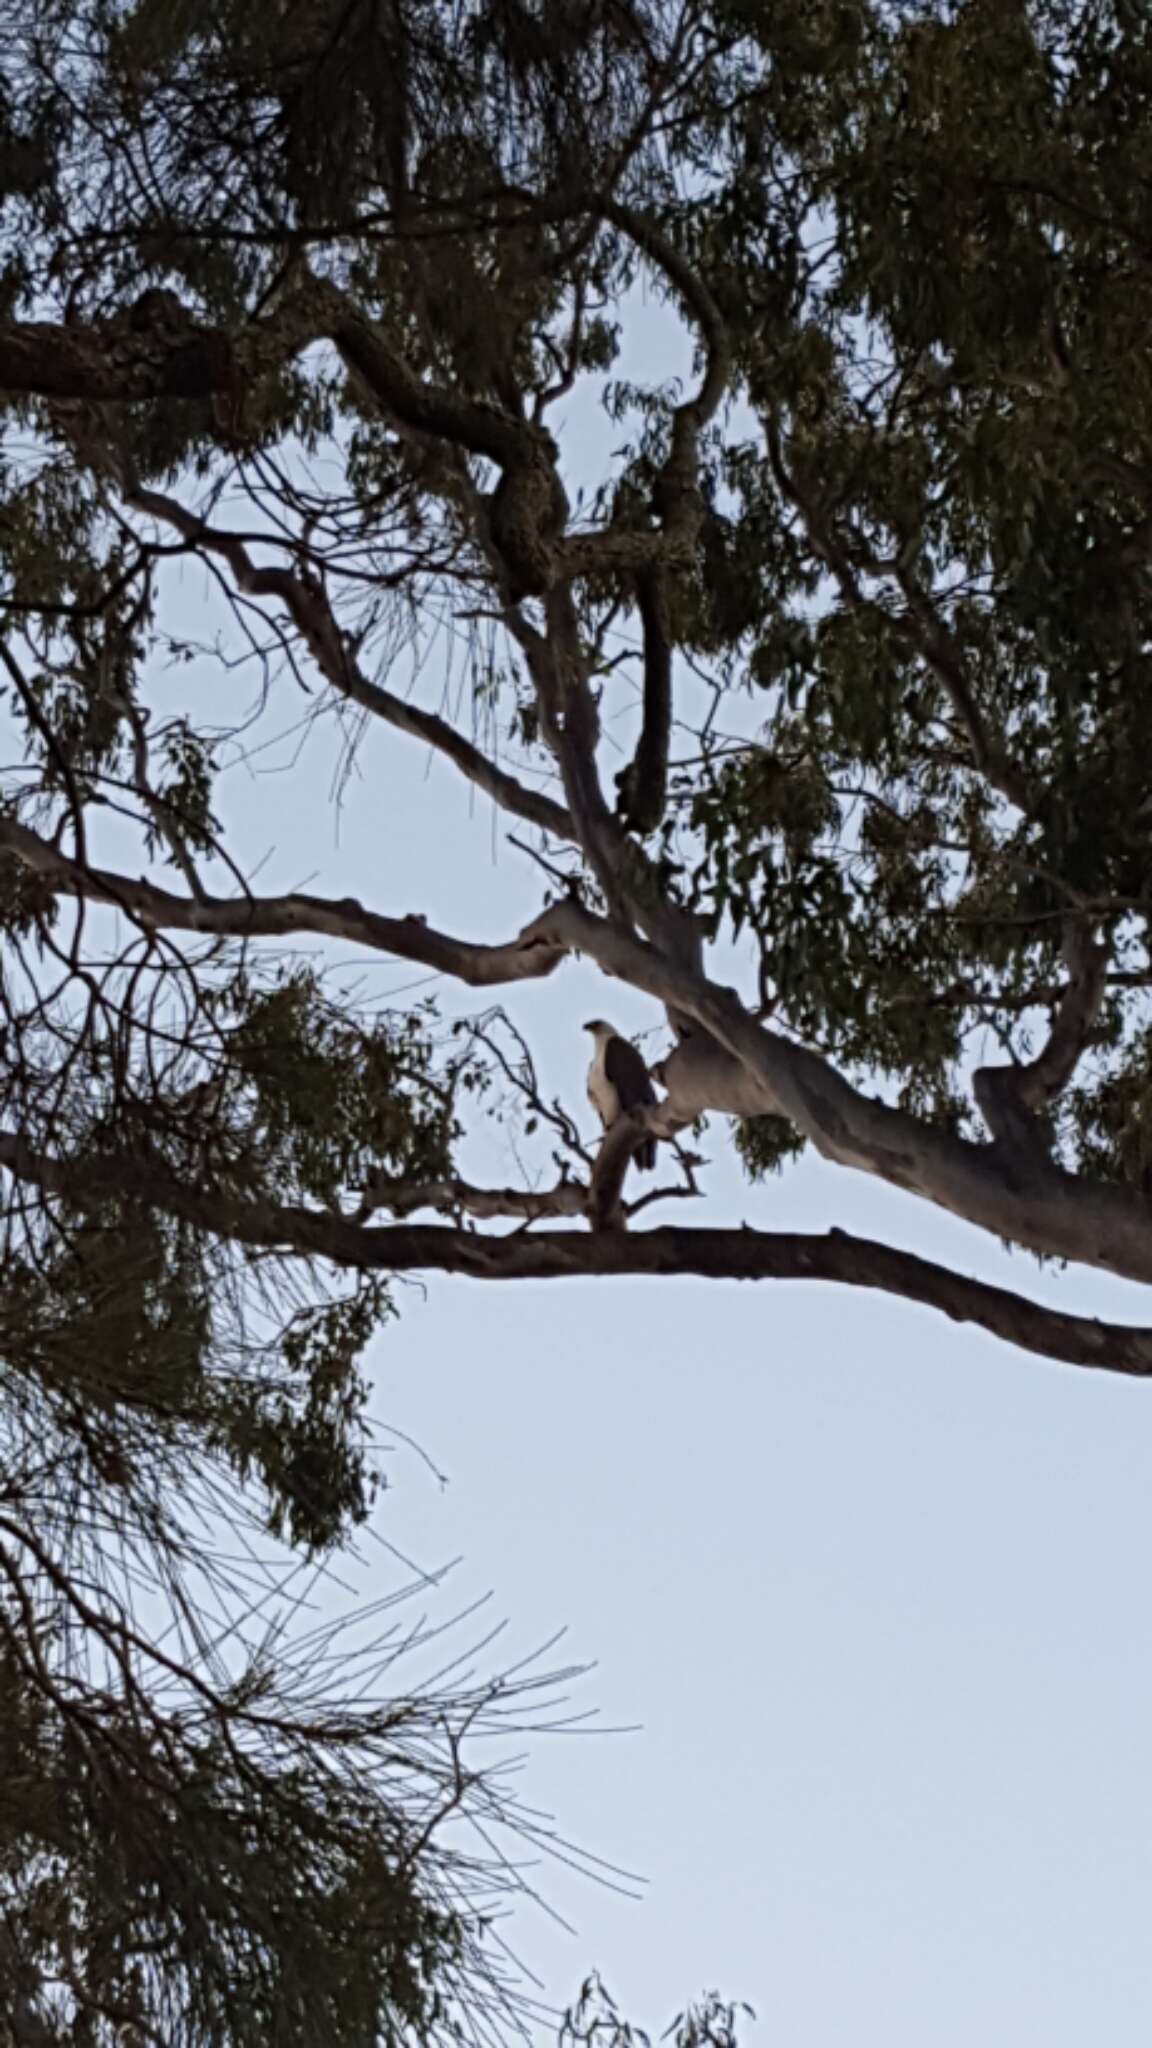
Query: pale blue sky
874	1587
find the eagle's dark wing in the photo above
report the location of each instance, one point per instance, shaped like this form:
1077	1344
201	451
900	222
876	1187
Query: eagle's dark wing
629	1076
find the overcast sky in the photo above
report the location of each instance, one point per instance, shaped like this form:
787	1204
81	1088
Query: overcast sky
873	1589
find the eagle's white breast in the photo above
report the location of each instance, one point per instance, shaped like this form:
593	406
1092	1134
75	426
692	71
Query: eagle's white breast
601	1091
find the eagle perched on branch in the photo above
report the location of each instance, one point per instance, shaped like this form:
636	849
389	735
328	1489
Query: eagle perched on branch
618	1083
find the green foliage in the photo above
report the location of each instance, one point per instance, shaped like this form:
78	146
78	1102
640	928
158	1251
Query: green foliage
326	1100
595	2021
193	1881
304	1443
185	795
765	1144
949	406
918	604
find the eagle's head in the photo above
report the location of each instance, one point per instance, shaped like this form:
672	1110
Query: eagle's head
600	1029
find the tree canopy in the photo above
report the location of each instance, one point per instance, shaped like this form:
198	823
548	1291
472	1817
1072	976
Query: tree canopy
302	293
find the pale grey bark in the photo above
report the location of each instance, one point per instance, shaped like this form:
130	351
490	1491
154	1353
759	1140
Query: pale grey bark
733	1065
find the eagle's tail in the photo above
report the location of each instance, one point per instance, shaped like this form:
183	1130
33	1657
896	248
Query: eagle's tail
646	1155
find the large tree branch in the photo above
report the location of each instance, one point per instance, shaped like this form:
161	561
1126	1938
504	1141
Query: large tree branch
529	508
677	499
1047	1076
666	1253
617	1149
569	723
246	917
736	1066
692	417
732	1064
160	350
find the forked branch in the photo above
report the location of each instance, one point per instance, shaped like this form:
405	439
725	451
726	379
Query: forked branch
1012	1098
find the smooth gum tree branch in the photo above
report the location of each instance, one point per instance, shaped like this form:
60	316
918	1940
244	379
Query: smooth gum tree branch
732	1065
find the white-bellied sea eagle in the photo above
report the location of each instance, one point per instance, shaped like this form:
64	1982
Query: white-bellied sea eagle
618	1083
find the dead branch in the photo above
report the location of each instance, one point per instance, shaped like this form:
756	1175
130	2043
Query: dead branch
617	1148
520	1073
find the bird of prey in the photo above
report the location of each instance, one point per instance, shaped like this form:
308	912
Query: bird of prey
618	1083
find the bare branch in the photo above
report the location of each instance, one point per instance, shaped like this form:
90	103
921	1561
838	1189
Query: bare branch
696	298
310	612
457	1197
568	1198
524	958
643	784
617	1149
519	1070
